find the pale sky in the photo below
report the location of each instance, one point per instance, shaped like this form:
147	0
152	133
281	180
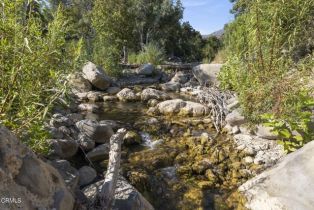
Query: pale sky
207	16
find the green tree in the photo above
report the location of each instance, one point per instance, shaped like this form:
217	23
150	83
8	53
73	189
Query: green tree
211	48
113	24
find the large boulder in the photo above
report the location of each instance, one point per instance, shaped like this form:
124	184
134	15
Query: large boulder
113	90
127	95
96	76
288	185
78	83
150	93
206	74
100	133
146	69
33	183
126	196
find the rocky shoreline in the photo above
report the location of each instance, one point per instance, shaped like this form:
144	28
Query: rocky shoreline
184	128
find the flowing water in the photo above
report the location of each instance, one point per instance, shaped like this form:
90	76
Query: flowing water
181	163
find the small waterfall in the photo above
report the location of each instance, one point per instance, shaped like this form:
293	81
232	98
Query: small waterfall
147	141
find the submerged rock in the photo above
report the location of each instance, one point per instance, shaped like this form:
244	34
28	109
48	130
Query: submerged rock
287	186
131	138
23	176
96	76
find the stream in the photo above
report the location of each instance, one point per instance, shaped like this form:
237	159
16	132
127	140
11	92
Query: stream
181	163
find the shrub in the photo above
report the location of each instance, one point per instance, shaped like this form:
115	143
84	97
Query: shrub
33	65
269	59
151	53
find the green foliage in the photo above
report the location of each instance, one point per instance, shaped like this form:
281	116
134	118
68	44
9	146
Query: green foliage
295	130
270	57
211	48
151	53
34	61
112	22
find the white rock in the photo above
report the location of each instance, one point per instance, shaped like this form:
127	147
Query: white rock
96	76
287	186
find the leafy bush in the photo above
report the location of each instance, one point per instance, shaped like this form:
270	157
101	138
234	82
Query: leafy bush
34	62
151	53
270	58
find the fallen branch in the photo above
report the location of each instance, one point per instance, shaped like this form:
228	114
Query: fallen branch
105	197
215	100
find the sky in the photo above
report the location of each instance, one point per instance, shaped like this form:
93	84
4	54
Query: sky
207	16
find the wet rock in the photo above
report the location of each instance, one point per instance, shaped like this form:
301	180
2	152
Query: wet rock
88	107
96	76
150	93
63	148
78	83
132	138
101	152
211	177
113	90
24	176
85	142
126	196
69	174
235	118
180	77
100	133
87	175
265	133
201	166
171	86
293	180
127	95
146	69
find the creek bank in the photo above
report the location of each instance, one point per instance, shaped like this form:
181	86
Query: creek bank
172	154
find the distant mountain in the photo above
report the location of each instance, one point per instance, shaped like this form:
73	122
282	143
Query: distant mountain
217	34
